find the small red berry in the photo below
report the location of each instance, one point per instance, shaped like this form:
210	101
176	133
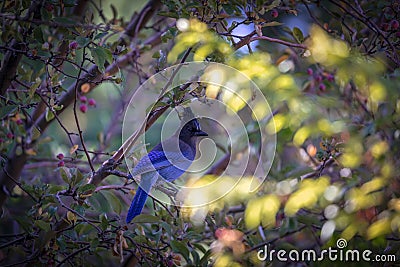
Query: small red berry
274	13
322	87
394	24
92	102
385	27
83	99
50	7
83	108
61	164
331	77
310	71
10	135
318	78
19	122
60	156
73	45
1	140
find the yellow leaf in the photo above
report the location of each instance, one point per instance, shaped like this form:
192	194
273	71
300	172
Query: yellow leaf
270	208
73	149
308	194
30	152
379	228
71	217
252	215
301	135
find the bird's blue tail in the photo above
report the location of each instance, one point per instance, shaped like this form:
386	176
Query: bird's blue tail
137	204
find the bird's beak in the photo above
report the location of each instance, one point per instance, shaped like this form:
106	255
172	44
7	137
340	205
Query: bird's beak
200	133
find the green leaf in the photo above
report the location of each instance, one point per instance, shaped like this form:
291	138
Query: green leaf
64	21
272	23
229	9
94	243
180	248
100	56
43	225
34	86
82	41
78	176
140	239
100	35
52	210
65	174
49	115
274	4
100	202
167	227
58	107
38	35
146	218
200	247
7	110
156	54
298	34
83	229
114	202
204	260
87	188
168	14
45	15
61	243
195	255
308	220
103	221
80	210
54	188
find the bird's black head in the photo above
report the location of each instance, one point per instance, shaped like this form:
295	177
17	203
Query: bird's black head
191	129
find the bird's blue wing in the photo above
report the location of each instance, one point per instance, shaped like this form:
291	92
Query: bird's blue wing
153	161
158	159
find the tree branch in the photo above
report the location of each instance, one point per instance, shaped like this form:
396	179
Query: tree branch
16	160
12	59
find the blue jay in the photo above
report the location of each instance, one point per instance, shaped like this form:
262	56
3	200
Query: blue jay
168	160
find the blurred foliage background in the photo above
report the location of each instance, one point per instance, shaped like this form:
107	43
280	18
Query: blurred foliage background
329	70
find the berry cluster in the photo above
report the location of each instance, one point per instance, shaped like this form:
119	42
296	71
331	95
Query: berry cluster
320	78
9	136
61	162
392	25
7	133
389	21
85	103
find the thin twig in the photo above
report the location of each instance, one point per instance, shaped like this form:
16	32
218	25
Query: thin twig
279	41
275	239
12	242
73	254
76	115
321	167
18	184
75	212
